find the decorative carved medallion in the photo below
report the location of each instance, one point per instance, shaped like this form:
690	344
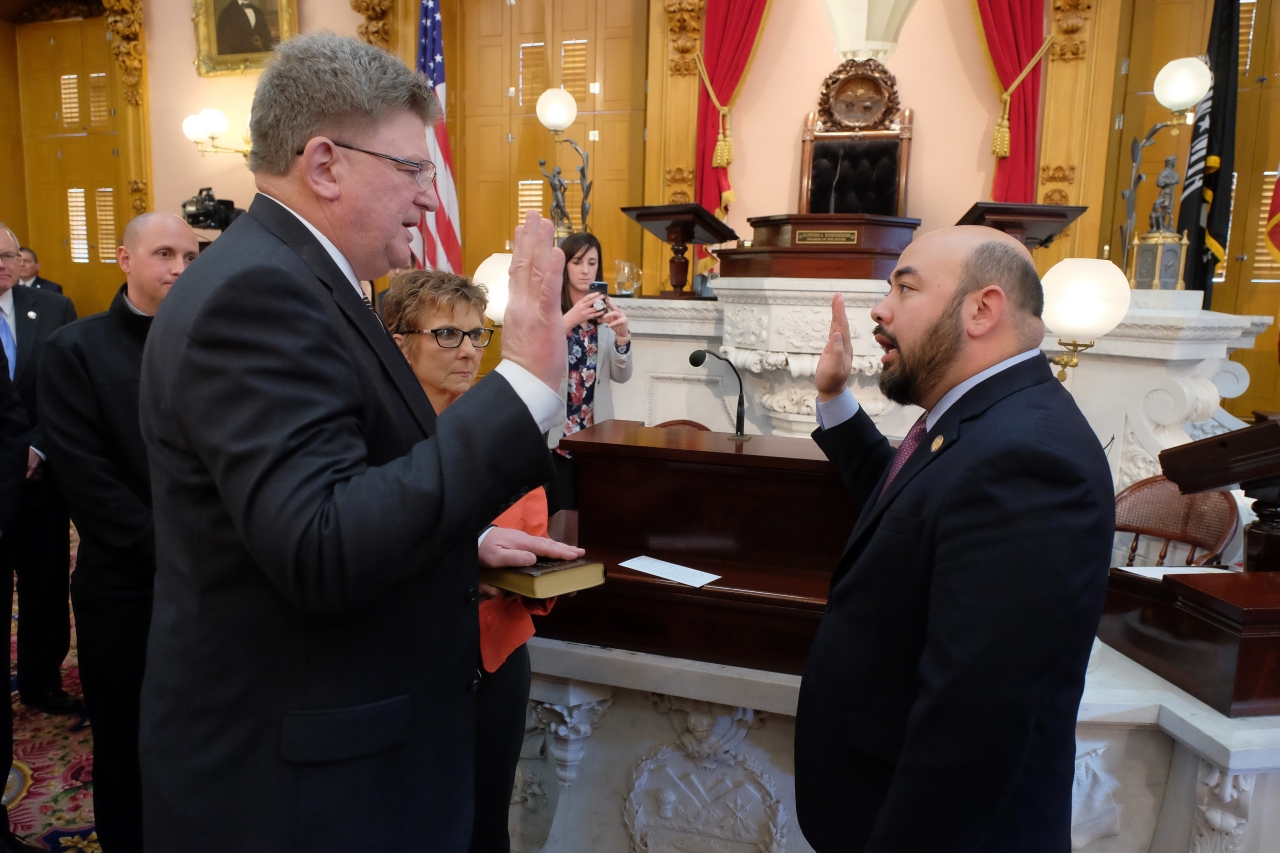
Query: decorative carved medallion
859	95
745	327
376	29
1070	16
684	23
1222	810
680	176
1056	196
60	10
1057	174
124	20
700	794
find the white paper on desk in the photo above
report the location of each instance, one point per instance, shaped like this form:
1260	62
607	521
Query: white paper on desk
1158	572
669	571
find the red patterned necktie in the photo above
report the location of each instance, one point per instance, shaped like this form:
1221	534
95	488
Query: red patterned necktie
908	446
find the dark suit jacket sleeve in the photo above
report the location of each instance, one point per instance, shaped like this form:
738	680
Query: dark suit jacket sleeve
35	435
13	446
1016	588
102	506
859	451
266	391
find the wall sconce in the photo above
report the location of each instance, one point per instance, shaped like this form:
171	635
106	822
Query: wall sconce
494	273
556	112
1084	299
205	127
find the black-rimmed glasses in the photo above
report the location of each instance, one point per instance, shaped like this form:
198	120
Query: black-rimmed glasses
452	338
425	174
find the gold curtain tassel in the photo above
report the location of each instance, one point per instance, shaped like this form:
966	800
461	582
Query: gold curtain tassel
1000	138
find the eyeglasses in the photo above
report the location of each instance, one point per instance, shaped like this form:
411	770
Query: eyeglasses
424	174
452	338
10	257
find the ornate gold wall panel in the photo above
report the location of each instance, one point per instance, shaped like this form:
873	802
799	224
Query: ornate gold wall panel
124	22
1079	86
671	119
377	27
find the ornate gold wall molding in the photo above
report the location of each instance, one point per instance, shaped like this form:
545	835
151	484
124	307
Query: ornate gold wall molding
124	20
684	23
376	29
1078	91
680	176
1069	17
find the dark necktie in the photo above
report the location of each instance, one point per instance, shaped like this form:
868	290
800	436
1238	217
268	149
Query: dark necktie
908	446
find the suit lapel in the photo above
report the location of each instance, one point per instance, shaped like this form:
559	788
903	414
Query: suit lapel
295	235
944	436
27	327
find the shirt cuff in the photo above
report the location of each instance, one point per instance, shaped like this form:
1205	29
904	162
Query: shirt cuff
837	410
544	404
38	453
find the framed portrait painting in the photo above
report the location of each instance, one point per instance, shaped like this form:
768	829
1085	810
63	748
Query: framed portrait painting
233	36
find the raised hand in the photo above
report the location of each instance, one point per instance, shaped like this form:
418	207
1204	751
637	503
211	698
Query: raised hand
836	362
533	332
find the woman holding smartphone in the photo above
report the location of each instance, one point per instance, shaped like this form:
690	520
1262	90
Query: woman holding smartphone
599	353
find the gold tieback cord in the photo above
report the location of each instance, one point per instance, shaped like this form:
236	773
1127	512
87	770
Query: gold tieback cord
723	154
1000	139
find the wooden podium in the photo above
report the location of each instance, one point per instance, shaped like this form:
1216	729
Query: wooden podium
1217	636
1036	225
680	225
771	517
820	245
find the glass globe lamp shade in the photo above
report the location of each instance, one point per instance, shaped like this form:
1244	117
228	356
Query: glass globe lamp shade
556	109
193	129
493	273
214	121
1084	298
1183	83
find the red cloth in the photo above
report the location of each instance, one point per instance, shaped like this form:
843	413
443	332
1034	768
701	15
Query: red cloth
730	36
505	622
1014	31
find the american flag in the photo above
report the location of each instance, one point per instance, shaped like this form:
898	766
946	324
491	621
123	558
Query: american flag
437	244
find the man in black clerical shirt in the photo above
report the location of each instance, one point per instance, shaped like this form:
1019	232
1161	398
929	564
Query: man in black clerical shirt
242	28
89	408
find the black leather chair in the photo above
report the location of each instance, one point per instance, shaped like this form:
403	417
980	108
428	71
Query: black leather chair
855	171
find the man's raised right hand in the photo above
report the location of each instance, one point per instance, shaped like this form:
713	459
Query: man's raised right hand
836	363
533	331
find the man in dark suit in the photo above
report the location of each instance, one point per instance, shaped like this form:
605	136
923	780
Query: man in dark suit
38	546
13	473
312	664
29	272
89	411
242	28
938	705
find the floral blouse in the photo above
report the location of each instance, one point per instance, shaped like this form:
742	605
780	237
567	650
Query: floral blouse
584	344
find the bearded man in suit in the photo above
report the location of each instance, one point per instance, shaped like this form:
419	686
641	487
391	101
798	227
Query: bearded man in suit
312	661
938	705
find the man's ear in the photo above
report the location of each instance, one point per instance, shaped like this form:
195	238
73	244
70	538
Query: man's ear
321	167
986	307
123	259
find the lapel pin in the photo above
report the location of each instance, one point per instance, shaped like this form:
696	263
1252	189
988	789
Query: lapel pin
31	314
937	442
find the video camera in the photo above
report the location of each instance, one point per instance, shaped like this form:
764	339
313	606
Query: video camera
204	211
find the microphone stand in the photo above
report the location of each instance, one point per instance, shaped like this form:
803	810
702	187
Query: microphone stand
697	358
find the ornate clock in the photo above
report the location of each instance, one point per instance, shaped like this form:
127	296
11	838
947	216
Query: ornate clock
859	95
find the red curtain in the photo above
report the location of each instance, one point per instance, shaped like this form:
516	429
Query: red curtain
1014	32
730	31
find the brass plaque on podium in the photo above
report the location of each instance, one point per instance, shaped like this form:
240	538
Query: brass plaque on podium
848	237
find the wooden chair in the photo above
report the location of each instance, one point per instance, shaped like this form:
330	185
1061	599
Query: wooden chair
682	425
1155	507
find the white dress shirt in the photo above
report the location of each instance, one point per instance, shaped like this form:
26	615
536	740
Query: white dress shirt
250	14
839	409
28	282
6	310
544	404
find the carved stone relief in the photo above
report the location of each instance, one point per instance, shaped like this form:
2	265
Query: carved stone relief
806	328
1070	17
376	29
684	24
745	327
1222	810
702	794
567	727
1136	463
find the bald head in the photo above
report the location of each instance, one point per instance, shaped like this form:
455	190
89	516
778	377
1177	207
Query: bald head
155	249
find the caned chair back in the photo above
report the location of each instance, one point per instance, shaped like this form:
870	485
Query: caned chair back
1154	507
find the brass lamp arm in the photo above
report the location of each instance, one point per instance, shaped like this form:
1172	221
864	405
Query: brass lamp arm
1069	358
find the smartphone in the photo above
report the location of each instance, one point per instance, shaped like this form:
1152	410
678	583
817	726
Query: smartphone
600	287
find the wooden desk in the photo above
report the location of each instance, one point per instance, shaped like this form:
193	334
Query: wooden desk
769	516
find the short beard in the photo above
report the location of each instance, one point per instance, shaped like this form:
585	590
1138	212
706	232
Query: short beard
909	378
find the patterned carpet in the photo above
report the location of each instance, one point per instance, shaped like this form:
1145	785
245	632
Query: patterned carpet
49	792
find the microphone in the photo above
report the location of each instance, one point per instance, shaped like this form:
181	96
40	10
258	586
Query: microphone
697	358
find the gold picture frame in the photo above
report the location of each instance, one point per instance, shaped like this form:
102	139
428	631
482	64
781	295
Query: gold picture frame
227	37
